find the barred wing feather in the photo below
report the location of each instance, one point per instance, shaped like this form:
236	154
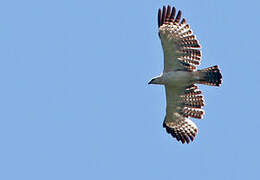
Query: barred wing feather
183	103
180	46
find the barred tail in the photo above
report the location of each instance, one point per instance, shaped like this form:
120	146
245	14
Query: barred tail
210	76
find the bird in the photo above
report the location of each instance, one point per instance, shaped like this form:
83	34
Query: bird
180	76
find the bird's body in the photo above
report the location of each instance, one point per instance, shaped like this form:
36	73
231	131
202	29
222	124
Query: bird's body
181	56
176	78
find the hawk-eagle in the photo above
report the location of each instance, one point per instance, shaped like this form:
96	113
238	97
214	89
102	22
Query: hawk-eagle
181	56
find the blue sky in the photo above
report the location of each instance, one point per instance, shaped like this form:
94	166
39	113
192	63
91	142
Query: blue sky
74	99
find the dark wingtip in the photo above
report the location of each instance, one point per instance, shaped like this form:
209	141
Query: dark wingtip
178	17
183	21
184	138
172	14
167	15
163	15
159	18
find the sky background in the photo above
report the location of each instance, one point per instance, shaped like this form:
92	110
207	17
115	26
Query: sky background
75	103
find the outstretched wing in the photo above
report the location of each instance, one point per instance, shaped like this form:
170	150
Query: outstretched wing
180	46
183	103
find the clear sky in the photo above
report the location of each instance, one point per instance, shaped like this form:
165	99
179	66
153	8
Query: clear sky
75	103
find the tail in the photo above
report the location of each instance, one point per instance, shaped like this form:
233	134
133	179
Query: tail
210	76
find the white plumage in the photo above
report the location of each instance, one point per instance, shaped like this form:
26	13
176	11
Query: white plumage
182	55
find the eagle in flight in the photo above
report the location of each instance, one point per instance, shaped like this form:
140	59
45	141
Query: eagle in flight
182	55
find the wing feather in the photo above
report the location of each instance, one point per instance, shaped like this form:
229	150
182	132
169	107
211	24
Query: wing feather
183	103
181	48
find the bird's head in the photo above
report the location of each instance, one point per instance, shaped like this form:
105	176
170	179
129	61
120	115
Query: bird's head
157	80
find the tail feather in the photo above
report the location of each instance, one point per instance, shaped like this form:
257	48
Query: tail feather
210	76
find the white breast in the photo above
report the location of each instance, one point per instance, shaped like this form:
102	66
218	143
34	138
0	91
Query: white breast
177	78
